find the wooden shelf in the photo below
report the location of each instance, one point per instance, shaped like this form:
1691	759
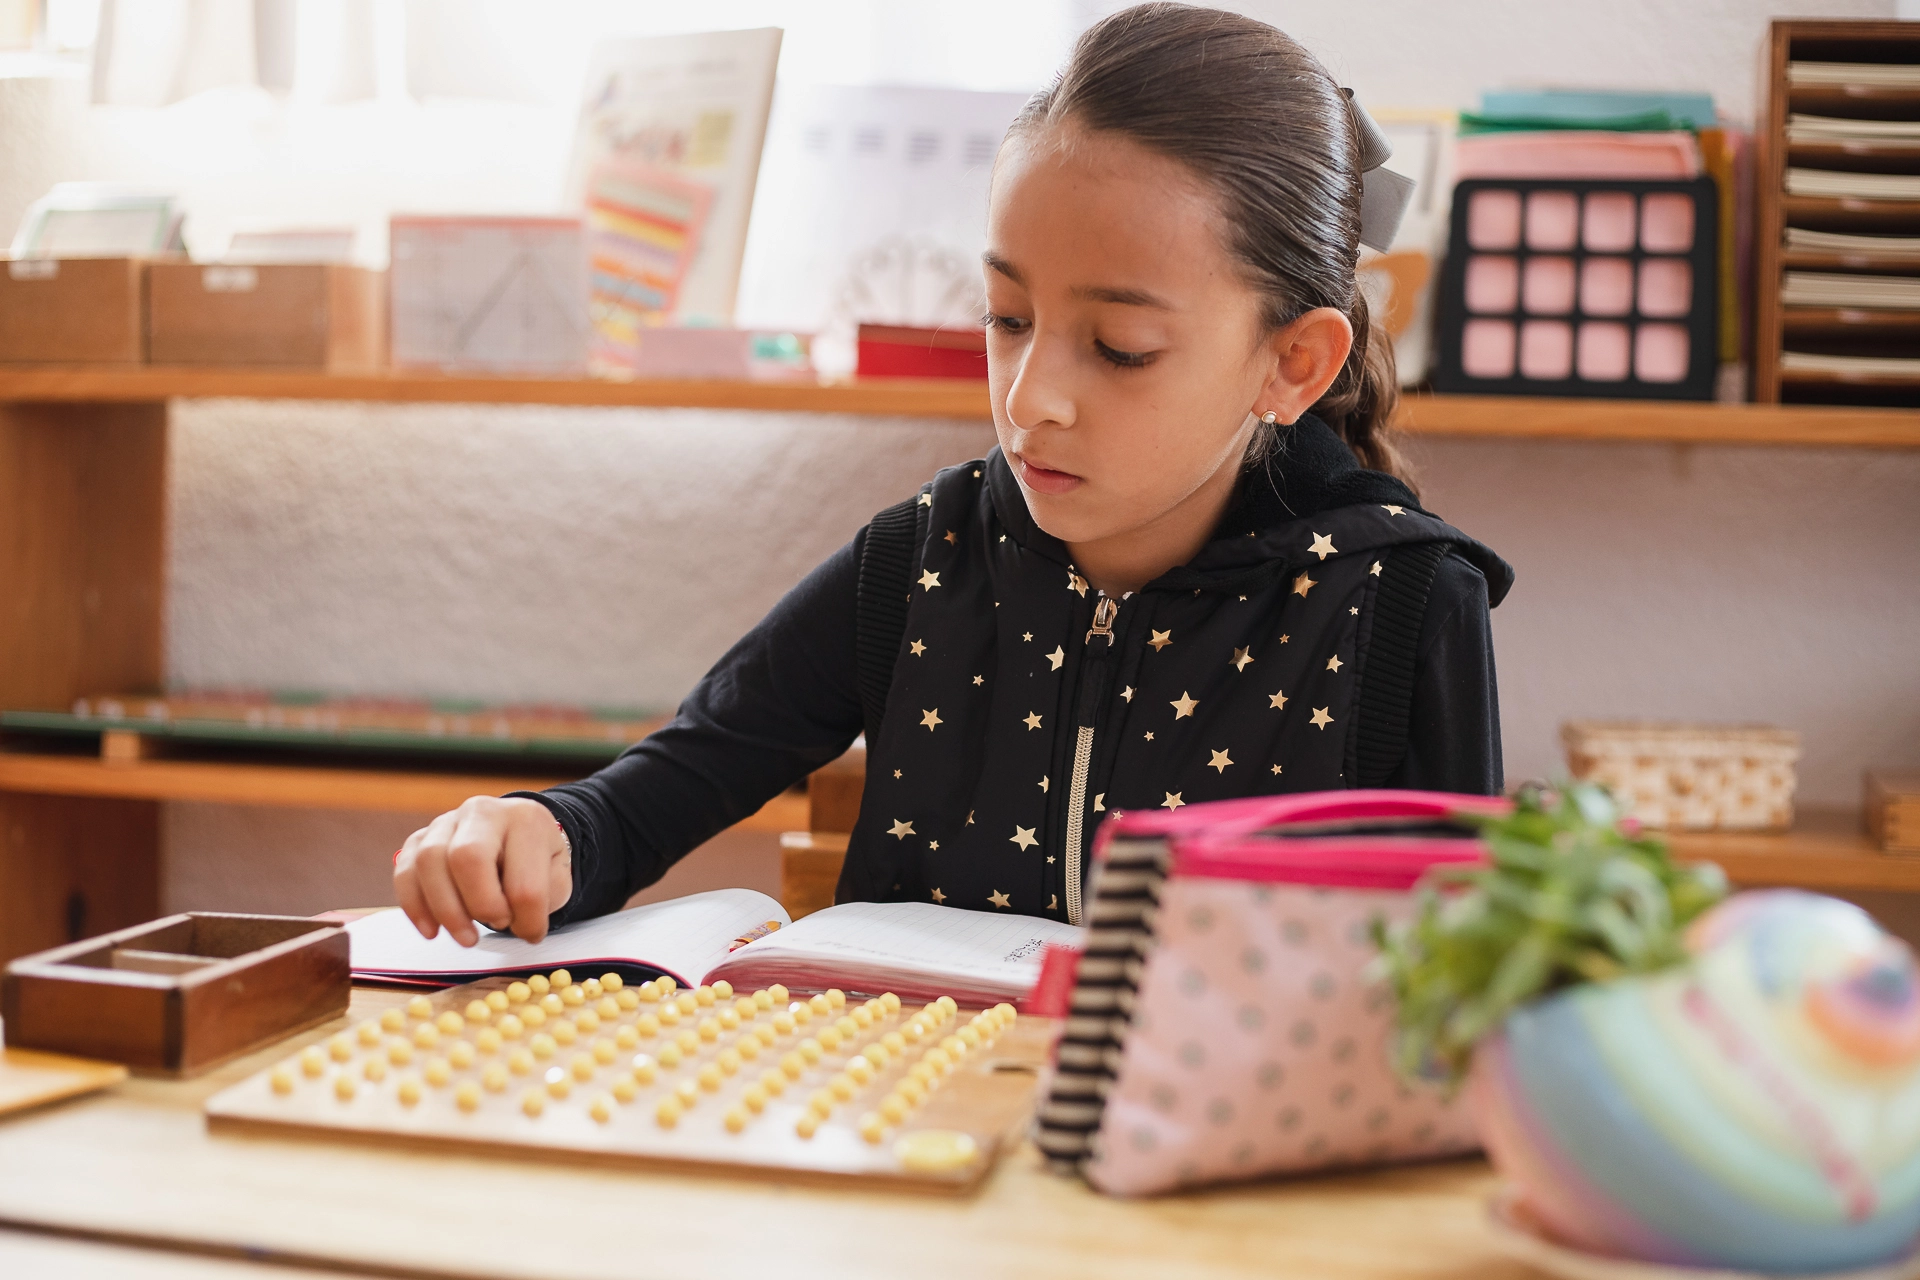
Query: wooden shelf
300	786
1498	417
1826	850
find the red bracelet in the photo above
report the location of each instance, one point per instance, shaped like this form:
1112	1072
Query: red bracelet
396	854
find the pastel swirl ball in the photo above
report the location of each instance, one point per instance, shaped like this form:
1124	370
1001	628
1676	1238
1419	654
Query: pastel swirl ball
1757	1108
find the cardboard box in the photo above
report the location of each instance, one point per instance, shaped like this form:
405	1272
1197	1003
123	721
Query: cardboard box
291	315
72	311
1893	810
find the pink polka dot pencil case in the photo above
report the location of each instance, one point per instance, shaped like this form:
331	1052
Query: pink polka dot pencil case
1222	1022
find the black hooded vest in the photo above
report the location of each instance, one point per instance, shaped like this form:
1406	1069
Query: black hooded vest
1011	707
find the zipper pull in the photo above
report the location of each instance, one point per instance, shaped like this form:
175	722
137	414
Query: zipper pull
1104	612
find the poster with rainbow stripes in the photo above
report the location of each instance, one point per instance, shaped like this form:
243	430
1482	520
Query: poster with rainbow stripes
643	226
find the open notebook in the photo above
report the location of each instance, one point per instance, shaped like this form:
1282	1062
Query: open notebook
915	949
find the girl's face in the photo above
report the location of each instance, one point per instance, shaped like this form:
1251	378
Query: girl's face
1125	353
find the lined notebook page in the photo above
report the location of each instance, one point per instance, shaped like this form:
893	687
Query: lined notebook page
918	938
685	937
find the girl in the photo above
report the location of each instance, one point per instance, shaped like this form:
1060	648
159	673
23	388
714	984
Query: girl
1194	568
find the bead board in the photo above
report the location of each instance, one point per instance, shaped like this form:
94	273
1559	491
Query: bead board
487	1066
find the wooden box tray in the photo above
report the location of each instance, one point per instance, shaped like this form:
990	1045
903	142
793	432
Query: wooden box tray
323	316
73	311
433	1076
178	995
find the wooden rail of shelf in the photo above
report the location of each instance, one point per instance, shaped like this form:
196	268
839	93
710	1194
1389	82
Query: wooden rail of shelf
1826	850
1509	417
300	786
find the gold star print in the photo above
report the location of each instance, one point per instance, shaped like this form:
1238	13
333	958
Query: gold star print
926	499
900	830
976	475
1023	836
999	899
979	680
931	719
1032	721
1053	901
1354	610
1302	585
1149	735
1100	803
916	648
1276	771
1160	640
951	539
1027	636
1076	583
1320	718
933	846
1333	664
1392	510
1126	694
896	773
1220	761
1243	599
1183	705
1049	859
969	817
1058	656
1284	639
930	580
1240	660
1322	546
939	896
1173	801
1277	700
1375	571
1043	784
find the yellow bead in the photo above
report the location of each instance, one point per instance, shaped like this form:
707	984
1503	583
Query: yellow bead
583	1065
810	1050
437	1072
807	1125
669	1013
763	999
560	978
836	997
533	1102
894	1042
601	1108
407	1090
956	1047
643	1069
608	1008
801	1014
587	1020
688	1003
709	1077
923	1072
667	1114
842	1087
426	1035
520	1061
748	1047
563	1032
688	1093
777	994
709	1029
862	1017
847	1027
339	1048
938	1059
821	1103
494	1078
478	1011
820	1005
605	1051
450	1023
746	1008
649	991
669	1055
497	1001
312	1062
393	1020
829	1038
912	1031
890	1002
612	982
876	1054
793	1066
893	1108
375	1069
735	1119
343	1087
947	1003
646	1026
538	985
911	1091
281	1081
667	985
723	990
754	1098
703	997
559	1086
728	1020
574	996
488	1041
553	1004
626	1038
533	1015
627	1000
783	1023
624	1089
773	1083
728	1061
542	1045
399	1053
460	1054
766	1035
935	1150
872	1127
859	1070
970	1036
467	1096
420	1007
688	1042
518	992
591	988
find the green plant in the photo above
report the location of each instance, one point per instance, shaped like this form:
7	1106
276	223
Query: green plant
1568	894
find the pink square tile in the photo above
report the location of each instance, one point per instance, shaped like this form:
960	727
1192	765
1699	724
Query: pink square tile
1606	286
1609	222
1546	349
1486	348
1660	353
1602	352
1666	286
1548	286
1666	223
1493	220
1552	220
1493	283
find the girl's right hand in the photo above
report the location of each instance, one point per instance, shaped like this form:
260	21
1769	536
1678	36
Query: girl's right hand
503	863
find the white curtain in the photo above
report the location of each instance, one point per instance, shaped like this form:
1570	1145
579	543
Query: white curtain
149	53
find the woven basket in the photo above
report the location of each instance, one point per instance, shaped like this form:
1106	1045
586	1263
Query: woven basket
1690	777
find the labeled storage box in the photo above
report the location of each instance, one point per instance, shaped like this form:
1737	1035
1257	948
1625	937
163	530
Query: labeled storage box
1893	810
1690	777
179	995
324	316
72	311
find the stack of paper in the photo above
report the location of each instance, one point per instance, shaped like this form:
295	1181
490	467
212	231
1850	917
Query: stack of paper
1868	75
1857	186
1844	242
1833	129
1835	289
1867	366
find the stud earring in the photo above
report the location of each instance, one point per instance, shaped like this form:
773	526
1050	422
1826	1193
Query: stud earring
1269	417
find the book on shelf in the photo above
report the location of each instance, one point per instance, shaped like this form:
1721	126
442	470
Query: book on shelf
1841	185
1811	128
1837	289
1850	366
1863	75
1846	242
914	949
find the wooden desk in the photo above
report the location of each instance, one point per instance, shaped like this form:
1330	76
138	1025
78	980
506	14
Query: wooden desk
136	1166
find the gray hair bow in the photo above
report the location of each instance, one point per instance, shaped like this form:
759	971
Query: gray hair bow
1384	194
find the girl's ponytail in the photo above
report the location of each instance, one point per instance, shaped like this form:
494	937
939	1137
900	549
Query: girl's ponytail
1256	117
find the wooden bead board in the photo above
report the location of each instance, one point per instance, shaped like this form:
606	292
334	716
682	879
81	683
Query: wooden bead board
986	1095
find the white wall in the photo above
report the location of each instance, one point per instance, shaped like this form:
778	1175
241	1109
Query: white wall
610	555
